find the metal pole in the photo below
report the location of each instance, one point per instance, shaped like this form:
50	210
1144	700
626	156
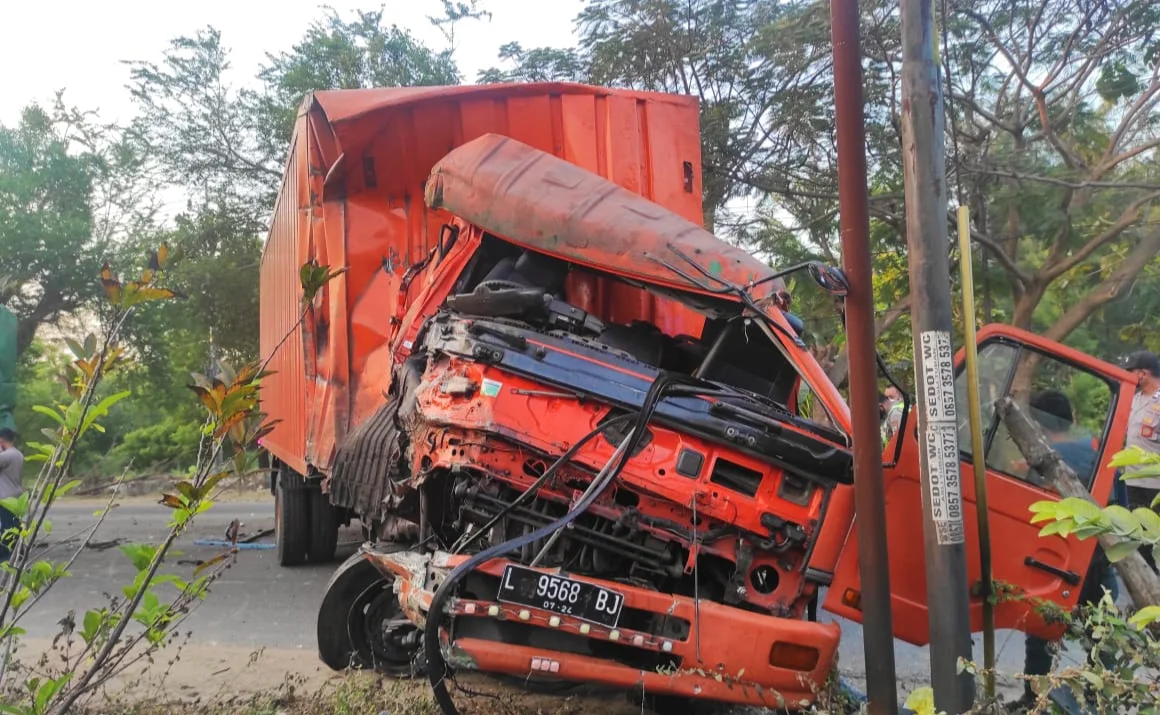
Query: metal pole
869	494
975	413
924	175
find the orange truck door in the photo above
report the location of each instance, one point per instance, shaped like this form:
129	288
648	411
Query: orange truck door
1016	363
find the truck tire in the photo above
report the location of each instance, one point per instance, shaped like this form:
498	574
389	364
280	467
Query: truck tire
291	519
361	624
323	526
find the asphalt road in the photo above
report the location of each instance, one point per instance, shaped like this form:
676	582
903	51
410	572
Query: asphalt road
259	604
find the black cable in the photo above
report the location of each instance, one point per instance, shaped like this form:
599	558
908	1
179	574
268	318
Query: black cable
436	666
543	479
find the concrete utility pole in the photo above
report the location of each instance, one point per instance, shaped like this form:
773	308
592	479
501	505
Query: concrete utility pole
924	174
869	495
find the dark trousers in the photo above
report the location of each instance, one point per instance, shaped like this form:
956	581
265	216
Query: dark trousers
8	521
1143	497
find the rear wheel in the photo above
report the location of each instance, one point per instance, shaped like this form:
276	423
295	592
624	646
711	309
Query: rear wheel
323	526
361	625
291	518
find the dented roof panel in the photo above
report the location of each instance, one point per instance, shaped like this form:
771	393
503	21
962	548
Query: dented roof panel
549	205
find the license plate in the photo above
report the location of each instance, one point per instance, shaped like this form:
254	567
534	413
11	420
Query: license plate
526	587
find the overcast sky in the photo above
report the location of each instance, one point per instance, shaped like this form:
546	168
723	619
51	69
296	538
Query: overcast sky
78	45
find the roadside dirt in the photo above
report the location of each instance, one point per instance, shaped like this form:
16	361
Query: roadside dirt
202	680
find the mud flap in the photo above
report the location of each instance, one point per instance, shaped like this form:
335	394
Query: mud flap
370	458
366	463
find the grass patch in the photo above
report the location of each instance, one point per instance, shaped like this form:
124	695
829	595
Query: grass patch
367	694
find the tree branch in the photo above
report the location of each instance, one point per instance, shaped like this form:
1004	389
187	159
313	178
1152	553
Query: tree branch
1018	176
1130	215
840	369
1070	157
1109	290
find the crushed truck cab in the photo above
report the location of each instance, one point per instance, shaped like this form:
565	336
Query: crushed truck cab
586	441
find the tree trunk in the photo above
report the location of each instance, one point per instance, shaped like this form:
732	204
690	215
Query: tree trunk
841	366
1142	582
1029	299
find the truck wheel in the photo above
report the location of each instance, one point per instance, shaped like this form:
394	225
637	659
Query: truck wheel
291	519
361	625
323	526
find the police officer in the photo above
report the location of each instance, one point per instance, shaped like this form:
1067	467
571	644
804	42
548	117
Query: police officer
1144	424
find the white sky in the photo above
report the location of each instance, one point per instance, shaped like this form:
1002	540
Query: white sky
78	45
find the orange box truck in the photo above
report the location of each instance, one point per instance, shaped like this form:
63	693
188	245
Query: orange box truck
584	437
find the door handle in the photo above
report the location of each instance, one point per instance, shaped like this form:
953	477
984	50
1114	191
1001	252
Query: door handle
1071	577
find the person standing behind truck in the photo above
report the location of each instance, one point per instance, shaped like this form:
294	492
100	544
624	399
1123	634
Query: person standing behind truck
1143	432
11	485
893	421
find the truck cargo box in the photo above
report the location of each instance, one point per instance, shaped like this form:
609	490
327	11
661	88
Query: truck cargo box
352	198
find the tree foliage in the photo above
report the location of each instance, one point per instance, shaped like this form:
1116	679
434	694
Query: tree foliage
46	212
223	141
343	54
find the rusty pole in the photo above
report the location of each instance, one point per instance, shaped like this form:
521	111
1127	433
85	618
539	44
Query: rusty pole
869	495
924	179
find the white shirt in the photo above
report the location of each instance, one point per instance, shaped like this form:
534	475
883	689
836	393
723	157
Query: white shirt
1144	432
11	466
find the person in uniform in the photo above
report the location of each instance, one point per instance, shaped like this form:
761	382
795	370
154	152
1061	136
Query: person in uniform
1143	432
1144	424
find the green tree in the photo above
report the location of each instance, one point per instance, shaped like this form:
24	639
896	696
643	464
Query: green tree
538	64
46	212
222	141
335	53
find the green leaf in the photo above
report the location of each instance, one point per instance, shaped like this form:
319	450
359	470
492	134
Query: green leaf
211	482
1123	521
48	412
1145	617
1142	473
1121	551
21	597
1133	456
49	690
1082	510
1149	522
91	626
141	555
102	408
68	487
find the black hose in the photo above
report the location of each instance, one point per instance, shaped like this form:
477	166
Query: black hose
436	667
543	479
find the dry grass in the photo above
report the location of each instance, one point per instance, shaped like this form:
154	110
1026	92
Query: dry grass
366	694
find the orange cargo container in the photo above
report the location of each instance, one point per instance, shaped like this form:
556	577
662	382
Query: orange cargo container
352	197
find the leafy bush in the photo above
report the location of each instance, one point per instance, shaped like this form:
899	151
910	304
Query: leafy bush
171	443
134	623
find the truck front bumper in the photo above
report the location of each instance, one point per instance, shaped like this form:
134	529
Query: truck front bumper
728	655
